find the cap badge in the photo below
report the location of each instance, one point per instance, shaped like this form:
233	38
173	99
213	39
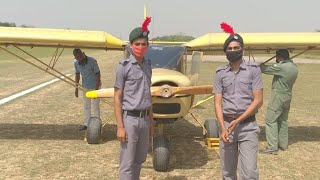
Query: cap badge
145	33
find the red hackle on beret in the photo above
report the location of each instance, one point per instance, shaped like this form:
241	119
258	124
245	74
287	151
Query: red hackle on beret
227	28
145	24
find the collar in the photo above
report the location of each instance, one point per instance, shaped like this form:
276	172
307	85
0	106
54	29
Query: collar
287	60
83	62
242	66
133	60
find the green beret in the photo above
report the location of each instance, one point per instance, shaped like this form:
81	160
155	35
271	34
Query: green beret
234	37
138	33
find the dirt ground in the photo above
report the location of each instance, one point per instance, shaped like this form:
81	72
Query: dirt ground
39	137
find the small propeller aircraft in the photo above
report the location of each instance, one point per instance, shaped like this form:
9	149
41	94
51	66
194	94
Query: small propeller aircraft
173	86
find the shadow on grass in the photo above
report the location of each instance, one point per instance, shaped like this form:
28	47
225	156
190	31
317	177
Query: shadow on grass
297	133
186	152
50	132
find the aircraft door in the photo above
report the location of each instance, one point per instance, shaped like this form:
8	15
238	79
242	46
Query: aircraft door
195	66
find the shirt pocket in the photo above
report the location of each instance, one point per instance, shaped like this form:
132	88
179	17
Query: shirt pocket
245	85
134	80
227	86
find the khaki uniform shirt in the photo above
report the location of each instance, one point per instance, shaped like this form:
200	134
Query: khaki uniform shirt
285	75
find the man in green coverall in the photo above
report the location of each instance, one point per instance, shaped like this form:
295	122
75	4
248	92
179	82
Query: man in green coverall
285	74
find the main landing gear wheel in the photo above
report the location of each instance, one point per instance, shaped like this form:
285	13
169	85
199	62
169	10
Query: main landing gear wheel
94	130
212	128
161	153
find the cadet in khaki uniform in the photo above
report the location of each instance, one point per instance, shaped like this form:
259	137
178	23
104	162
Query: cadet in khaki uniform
285	74
238	96
133	106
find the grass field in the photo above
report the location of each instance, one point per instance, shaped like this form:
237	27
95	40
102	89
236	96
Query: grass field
39	137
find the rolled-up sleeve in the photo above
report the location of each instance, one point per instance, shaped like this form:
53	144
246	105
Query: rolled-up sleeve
95	67
274	69
217	84
76	71
119	82
256	79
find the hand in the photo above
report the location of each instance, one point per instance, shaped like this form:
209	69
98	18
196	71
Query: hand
76	92
224	135
122	134
98	85
232	126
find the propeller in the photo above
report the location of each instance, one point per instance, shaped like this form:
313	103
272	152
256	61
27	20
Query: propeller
165	91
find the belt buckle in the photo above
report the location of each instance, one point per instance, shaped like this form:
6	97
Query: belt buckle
140	115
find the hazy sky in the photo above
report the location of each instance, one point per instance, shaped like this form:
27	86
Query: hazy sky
193	17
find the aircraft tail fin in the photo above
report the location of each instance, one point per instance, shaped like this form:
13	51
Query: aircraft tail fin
145	14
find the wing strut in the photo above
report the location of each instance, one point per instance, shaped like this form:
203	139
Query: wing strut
309	48
61	76
54	58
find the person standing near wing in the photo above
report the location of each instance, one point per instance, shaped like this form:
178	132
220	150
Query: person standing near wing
284	73
237	97
89	70
133	107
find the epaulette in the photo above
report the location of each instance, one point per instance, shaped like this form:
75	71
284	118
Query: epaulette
148	61
221	68
124	61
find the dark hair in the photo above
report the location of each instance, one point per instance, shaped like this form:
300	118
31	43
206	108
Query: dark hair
284	53
76	51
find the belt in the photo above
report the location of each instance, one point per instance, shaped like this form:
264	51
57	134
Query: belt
233	116
137	113
230	117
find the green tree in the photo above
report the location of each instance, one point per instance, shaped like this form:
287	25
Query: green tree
26	26
8	24
180	37
11	24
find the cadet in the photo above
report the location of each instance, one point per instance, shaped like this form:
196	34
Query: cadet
90	73
238	96
133	111
285	74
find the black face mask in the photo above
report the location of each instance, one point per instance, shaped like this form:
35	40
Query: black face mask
234	55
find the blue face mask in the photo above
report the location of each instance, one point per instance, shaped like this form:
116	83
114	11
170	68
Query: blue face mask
234	55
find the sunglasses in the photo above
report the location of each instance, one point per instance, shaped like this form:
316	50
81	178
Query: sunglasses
140	44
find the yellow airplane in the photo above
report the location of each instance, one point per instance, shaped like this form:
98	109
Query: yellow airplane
174	86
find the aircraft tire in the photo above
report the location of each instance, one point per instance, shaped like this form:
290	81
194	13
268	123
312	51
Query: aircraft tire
212	128
161	153
93	131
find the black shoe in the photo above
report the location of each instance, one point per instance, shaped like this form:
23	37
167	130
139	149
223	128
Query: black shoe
268	151
82	128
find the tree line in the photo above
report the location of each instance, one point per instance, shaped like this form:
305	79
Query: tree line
11	24
180	37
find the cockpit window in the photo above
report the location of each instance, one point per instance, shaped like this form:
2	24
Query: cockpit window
168	57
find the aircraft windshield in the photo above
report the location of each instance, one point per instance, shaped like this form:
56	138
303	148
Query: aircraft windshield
168	57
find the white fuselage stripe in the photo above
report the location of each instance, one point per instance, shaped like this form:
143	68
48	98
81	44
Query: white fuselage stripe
22	93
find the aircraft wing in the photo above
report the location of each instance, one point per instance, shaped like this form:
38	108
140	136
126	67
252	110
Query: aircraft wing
259	43
59	38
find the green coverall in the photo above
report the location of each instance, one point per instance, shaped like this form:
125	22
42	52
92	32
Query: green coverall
285	74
